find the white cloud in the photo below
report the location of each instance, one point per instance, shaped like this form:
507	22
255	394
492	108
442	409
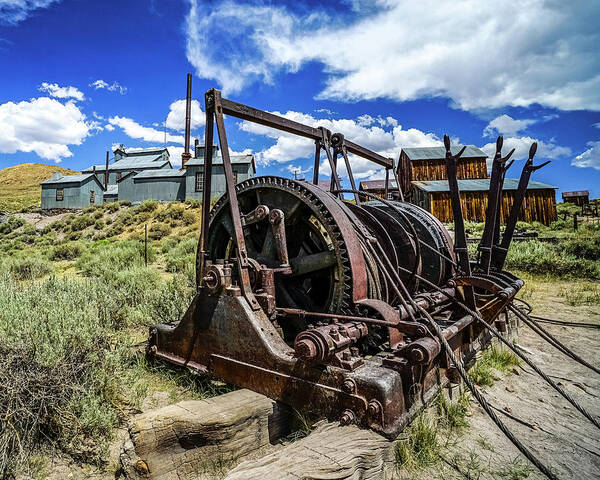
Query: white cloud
590	158
546	150
148	134
54	90
111	87
176	116
109	127
478	54
506	125
14	11
385	141
44	126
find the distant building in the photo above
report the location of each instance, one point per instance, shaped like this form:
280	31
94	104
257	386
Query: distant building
243	168
579	197
138	175
434	196
71	191
428	163
133	161
377	187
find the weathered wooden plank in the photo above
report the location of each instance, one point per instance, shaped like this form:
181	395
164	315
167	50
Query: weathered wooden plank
330	452
200	438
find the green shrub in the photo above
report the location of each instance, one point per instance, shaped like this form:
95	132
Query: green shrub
28	268
108	221
174	211
125	218
158	231
73	236
11	224
99	224
189	218
182	259
58	225
584	246
193	203
550	259
112	207
104	258
81	222
124	203
98	214
28	233
147	206
66	251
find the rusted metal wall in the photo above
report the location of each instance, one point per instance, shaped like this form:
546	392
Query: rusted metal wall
538	205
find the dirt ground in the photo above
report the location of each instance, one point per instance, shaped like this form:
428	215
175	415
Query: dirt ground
557	434
561	437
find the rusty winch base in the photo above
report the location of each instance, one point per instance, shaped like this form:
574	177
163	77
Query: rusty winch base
222	336
327	305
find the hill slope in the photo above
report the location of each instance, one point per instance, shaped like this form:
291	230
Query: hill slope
20	185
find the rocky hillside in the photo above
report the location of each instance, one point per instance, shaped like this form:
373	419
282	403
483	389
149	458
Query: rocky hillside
20	185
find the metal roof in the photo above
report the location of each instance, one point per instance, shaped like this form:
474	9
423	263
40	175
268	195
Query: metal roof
111	190
198	162
476	185
68	179
577	193
162	173
436	153
376	184
149	151
130	164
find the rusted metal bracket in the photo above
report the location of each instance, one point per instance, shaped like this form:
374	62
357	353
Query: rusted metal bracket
492	217
338	142
214	112
499	251
460	238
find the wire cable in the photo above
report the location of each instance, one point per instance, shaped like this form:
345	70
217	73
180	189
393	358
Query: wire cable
551	339
526	359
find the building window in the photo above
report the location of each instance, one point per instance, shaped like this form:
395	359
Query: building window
119	175
199	181
60	194
92	196
390	196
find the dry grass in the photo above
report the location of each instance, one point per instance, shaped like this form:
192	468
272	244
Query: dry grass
20	185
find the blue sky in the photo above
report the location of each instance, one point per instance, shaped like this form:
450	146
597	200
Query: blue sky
79	76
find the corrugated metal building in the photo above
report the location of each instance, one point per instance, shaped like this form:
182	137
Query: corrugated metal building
165	185
133	161
243	169
71	191
434	196
428	163
138	175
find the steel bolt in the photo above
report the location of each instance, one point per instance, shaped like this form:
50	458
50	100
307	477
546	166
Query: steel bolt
349	386
347	417
374	408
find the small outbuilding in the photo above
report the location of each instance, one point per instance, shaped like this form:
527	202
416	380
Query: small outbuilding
71	191
428	163
579	197
434	196
377	187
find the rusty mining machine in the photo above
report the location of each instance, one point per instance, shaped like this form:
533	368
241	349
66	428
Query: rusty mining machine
357	311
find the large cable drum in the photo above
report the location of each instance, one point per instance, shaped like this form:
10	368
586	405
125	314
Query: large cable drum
340	253
435	245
